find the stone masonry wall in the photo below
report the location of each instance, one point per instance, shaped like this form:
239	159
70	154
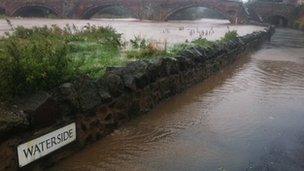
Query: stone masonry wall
100	106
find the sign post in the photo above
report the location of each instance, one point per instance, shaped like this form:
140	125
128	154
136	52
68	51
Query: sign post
39	147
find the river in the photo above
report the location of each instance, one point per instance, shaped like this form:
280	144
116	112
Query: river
171	32
250	116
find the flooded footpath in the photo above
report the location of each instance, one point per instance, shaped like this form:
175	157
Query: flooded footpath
248	117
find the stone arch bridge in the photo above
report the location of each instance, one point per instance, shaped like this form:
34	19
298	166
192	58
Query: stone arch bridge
158	10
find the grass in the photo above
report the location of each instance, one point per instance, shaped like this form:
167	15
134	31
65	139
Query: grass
177	49
42	58
144	49
92	59
229	36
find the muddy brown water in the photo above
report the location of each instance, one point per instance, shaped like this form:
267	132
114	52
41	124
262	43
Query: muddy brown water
250	116
171	32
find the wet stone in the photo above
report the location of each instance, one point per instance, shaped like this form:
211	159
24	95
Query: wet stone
103	91
41	109
88	96
153	71
115	84
11	122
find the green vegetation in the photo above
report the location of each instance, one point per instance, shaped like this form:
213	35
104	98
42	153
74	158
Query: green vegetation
138	43
146	53
143	49
231	35
177	49
202	43
42	58
299	23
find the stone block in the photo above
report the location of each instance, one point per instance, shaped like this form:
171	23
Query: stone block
40	108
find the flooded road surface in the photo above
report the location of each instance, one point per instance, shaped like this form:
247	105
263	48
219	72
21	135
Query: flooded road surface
171	32
248	117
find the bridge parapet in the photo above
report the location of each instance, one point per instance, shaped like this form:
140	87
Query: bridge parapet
143	9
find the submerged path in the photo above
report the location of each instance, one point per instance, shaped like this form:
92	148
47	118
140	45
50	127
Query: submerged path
248	117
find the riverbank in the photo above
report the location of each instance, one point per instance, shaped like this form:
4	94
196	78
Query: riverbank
99	106
41	58
249	116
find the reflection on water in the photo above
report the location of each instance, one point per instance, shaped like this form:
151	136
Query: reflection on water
172	32
248	117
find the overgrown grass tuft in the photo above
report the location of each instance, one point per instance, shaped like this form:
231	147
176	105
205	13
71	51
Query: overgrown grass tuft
146	53
177	49
143	49
229	36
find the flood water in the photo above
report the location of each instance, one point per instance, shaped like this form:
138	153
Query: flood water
171	32
250	116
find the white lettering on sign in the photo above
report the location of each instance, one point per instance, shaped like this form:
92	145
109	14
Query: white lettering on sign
39	147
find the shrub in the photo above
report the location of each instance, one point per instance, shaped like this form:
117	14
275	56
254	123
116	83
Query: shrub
46	32
28	66
44	57
231	35
138	43
299	24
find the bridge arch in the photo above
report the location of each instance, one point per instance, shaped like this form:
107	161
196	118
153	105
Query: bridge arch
90	12
226	14
277	20
35	10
